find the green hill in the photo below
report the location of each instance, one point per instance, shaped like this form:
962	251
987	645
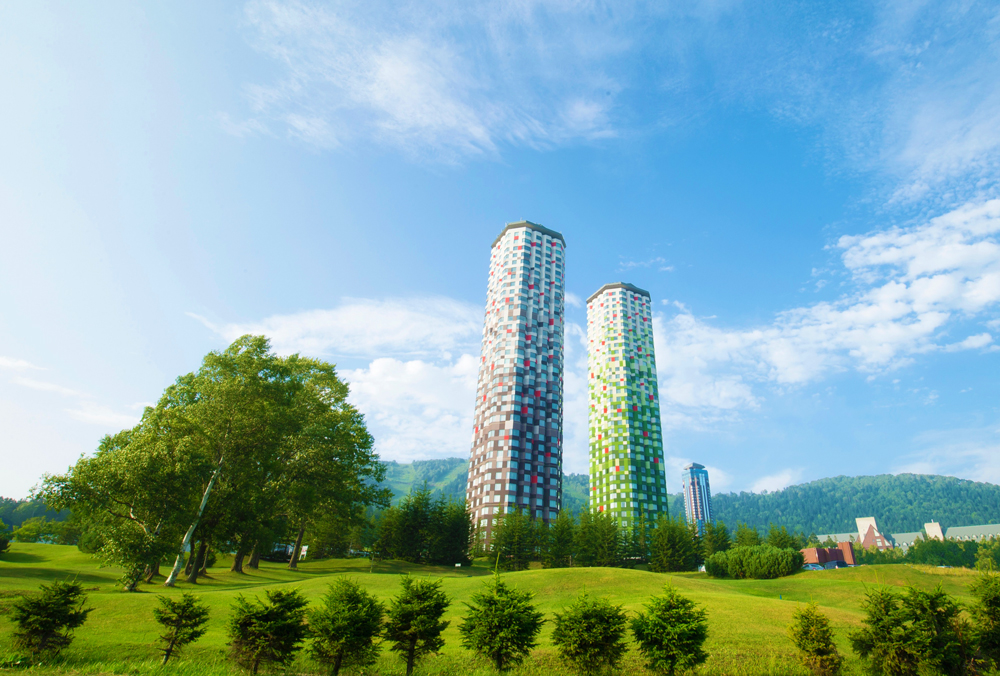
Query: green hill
899	502
120	635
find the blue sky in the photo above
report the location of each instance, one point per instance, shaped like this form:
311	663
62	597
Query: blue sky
810	198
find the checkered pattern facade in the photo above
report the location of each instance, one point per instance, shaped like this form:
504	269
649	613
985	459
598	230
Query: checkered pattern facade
516	459
626	441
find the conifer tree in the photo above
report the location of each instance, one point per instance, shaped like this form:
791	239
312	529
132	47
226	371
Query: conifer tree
810	632
746	536
345	627
985	612
716	539
559	541
183	621
502	624
585	540
44	623
590	634
672	547
513	541
267	632
671	632
414	623
778	536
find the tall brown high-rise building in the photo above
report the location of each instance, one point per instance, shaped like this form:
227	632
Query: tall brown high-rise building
516	459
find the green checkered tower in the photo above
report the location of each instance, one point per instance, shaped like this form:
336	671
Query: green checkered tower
626	442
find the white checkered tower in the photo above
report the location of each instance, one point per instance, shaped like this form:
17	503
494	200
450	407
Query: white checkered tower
516	458
627	479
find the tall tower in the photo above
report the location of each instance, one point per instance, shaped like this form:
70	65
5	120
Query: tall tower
516	459
697	495
626	444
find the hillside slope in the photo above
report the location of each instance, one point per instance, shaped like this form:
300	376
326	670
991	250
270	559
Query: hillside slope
899	503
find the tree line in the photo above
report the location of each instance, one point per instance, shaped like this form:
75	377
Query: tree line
251	449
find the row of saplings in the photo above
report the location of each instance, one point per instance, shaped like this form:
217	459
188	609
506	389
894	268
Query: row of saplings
916	632
346	630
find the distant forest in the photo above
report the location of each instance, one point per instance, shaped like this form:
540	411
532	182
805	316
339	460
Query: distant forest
900	503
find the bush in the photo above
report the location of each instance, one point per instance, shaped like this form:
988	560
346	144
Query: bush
414	626
4	538
810	632
45	623
345	627
671	632
502	624
985	612
267	632
184	621
590	635
759	562
920	632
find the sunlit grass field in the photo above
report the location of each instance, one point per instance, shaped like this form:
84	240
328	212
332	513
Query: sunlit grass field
747	618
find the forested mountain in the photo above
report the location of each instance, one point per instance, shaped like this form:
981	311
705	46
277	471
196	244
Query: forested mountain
15	512
899	502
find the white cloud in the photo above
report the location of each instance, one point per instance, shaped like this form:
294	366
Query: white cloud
415	409
775	482
965	453
719	480
658	262
43	386
913	284
573	300
369	328
17	364
105	416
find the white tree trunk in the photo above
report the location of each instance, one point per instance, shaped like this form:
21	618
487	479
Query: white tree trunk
179	563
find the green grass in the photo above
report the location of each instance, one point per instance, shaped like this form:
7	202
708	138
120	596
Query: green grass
747	618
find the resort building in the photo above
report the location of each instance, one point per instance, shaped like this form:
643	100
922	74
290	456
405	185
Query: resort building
697	495
516	459
627	477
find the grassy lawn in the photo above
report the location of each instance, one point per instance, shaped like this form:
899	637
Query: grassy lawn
747	619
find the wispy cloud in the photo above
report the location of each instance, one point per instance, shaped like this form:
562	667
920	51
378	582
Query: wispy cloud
43	386
914	284
972	453
98	414
12	364
658	262
415	327
777	481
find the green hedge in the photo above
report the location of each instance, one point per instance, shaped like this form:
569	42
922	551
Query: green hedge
759	562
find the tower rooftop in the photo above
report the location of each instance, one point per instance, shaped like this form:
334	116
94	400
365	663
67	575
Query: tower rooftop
618	285
532	226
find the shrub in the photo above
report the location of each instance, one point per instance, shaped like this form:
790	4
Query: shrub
183	620
4	538
590	634
502	624
985	612
345	627
414	625
911	634
267	632
671	632
45	622
810	632
759	562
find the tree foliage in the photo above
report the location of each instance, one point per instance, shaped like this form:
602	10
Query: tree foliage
414	622
345	628
716	539
502	624
423	530
671	632
811	634
985	615
557	544
267	632
590	634
183	622
674	546
44	623
514	540
907	634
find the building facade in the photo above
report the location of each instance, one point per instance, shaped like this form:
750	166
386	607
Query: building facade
697	495
627	477
516	458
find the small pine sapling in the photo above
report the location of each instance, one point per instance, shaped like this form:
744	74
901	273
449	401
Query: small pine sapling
183	621
414	623
811	633
590	634
985	612
345	627
502	624
267	632
671	632
45	623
